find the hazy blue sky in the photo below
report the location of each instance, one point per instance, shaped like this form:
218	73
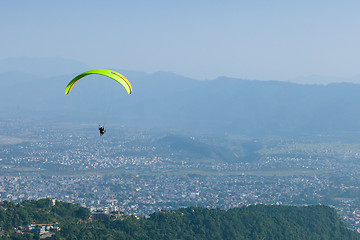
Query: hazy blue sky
202	39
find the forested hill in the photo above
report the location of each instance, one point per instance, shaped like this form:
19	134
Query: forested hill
252	222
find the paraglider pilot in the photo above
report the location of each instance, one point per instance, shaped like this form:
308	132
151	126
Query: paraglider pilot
102	130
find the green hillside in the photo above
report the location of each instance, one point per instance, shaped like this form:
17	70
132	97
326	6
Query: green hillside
252	222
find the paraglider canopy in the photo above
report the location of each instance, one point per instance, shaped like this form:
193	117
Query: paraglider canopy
109	73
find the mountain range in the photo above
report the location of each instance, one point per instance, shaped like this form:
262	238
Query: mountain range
170	101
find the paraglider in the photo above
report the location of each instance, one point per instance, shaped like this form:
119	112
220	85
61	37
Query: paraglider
109	73
105	72
102	130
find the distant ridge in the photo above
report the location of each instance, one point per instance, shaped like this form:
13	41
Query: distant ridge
169	101
42	67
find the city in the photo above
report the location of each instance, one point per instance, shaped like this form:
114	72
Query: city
130	172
